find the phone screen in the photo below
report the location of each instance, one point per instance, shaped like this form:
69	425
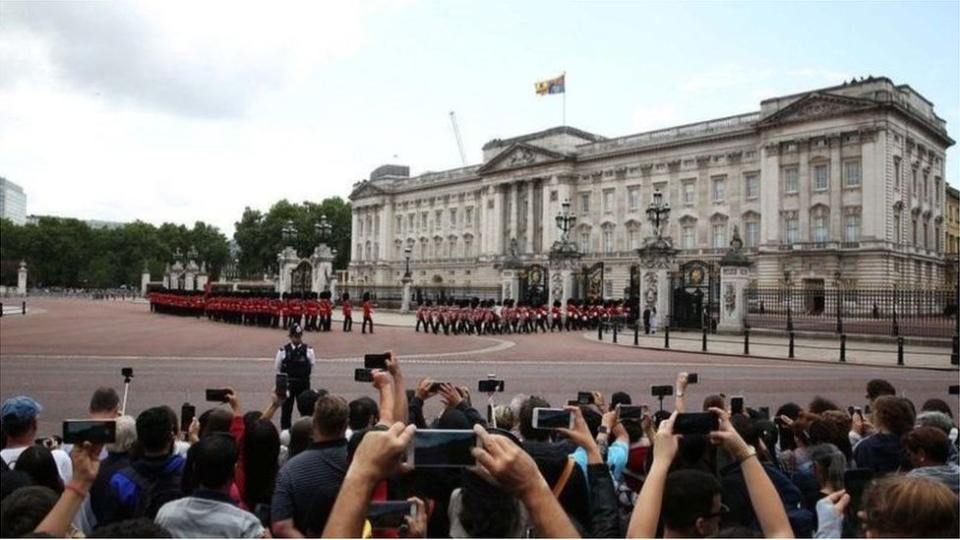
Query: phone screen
627	412
585	398
693	378
855	481
389	514
736	405
218	395
662	390
544	418
700	423
375	361
94	431
490	385
362	375
187	412
442	448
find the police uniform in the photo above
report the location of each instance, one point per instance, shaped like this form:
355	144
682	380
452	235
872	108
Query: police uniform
297	362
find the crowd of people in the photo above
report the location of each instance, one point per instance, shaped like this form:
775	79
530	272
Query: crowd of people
811	470
511	317
310	311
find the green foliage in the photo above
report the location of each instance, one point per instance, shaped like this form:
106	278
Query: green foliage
68	253
260	236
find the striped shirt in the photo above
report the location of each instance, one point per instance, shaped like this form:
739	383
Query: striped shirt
322	464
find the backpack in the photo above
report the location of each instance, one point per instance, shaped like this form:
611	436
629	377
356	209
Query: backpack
153	493
295	362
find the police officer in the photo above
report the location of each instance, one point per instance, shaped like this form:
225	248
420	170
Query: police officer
296	359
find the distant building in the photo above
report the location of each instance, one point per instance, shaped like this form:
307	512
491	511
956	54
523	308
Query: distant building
953	234
92	223
13	202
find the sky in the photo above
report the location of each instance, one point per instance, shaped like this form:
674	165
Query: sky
184	111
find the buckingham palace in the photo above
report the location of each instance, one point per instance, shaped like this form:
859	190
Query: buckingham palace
839	186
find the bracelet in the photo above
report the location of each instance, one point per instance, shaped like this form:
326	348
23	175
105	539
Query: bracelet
751	452
72	486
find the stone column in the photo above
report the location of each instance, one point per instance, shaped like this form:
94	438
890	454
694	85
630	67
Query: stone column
529	221
333	288
201	282
514	210
405	302
509	284
22	279
733	307
144	281
188	281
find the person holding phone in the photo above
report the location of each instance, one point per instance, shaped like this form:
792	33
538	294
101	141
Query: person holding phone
20	427
296	360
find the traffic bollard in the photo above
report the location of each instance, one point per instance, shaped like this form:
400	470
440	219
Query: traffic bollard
746	341
843	347
636	334
614	333
666	337
24	307
790	353
955	356
703	345
600	331
900	350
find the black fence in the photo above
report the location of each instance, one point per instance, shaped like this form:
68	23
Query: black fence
391	296
891	312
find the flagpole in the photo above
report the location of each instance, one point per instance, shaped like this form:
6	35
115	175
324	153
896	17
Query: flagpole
564	99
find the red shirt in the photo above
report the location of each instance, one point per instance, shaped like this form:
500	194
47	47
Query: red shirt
367	309
347	308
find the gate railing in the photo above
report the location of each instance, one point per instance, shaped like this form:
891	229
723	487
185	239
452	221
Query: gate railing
391	296
892	312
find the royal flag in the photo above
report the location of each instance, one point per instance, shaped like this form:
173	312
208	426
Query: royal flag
551	86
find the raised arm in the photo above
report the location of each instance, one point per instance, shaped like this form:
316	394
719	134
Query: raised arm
516	473
646	512
763	495
400	406
384	384
680	395
377	458
86	465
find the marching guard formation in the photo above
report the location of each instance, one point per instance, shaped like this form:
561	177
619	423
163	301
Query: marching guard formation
483	317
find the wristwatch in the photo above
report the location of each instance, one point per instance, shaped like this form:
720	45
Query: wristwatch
602	430
679	394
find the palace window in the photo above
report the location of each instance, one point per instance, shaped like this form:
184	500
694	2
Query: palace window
913	190
633	237
453	218
821	175
689	192
608	201
751	231
896	173
896	227
719	235
585	241
818	224
399	224
914	232
608	241
423	221
791	179
719	189
689	237
792	228
752	188
936	190
851	227
926	234
468	217
585	203
468	247
633	195
936	237
360	227
851	173
438	219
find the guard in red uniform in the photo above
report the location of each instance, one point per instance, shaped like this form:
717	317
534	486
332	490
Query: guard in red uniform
347	309
367	314
326	311
311	309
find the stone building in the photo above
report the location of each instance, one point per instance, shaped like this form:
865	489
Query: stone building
952	246
837	185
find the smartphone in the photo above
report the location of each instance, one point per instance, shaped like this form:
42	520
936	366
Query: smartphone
855	481
693	378
376	361
442	448
218	395
628	412
389	514
435	387
736	405
661	390
764	412
788	440
126	372
544	418
954	390
573	403
585	398
487	386
363	375
94	431
282	384
699	423
187	413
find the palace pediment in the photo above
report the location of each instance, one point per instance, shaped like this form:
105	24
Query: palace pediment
817	105
366	189
521	155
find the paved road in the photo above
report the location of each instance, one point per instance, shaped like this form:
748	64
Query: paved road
66	348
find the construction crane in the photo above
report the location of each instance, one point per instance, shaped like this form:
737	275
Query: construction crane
456	132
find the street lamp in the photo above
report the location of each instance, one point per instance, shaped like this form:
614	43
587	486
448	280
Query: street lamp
323	229
658	212
565	220
406	253
288	232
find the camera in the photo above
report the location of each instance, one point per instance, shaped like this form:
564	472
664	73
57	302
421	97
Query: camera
585	398
954	390
376	361
363	375
698	423
126	372
218	395
93	431
187	413
661	390
490	385
736	405
693	378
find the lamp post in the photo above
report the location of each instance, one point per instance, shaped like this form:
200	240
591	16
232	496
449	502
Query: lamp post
658	213
324	229
406	253
288	232
565	221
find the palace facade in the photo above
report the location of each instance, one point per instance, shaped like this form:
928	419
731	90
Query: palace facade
840	185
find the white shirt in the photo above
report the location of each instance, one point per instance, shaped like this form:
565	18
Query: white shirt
64	464
280	354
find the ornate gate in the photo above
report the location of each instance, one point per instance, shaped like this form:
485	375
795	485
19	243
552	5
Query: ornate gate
301	278
633	292
533	285
696	296
592	279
